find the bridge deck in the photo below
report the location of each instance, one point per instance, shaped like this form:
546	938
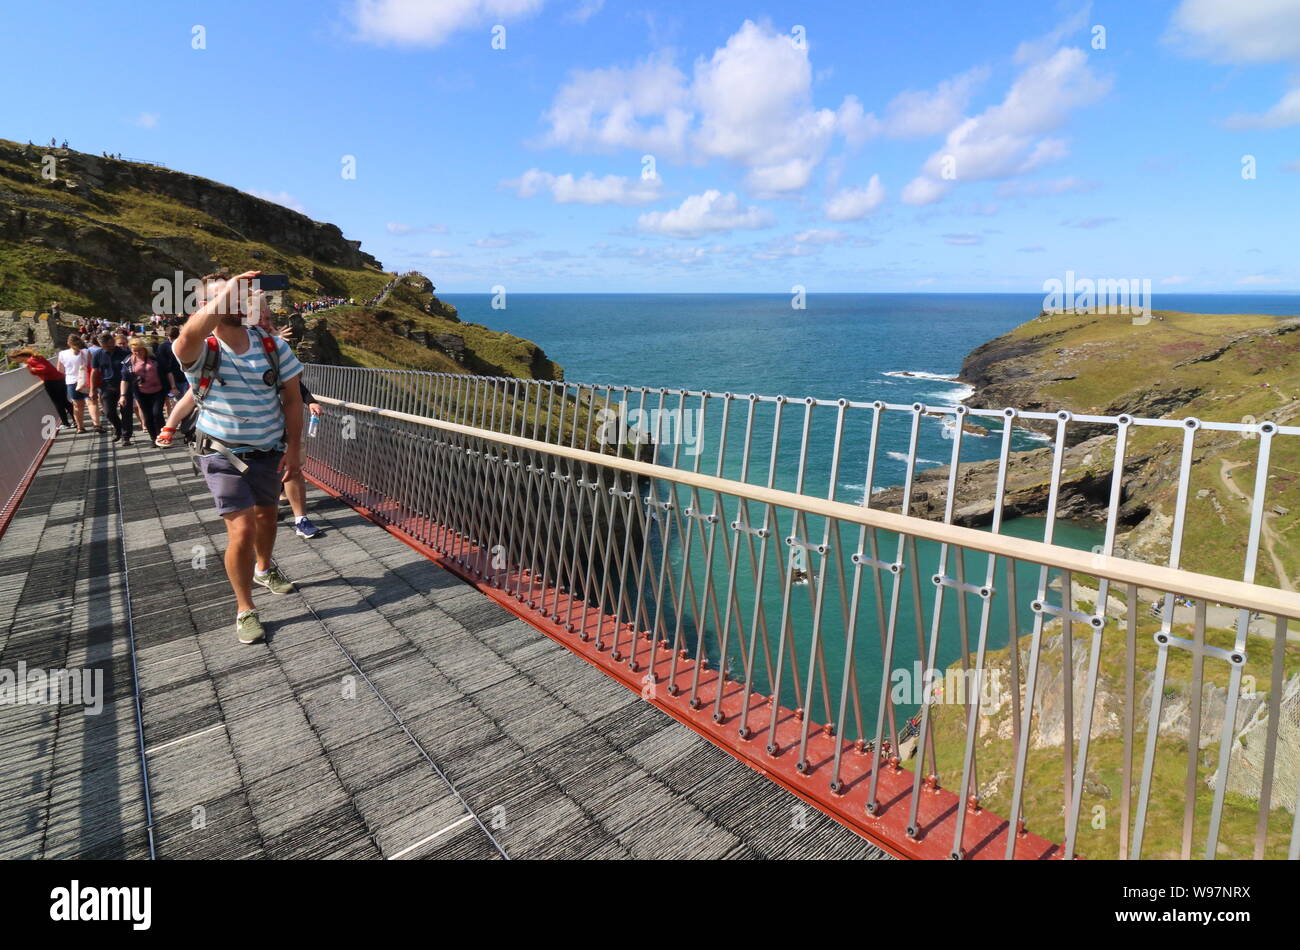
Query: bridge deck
271	751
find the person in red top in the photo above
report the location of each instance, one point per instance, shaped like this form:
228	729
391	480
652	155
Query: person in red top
51	376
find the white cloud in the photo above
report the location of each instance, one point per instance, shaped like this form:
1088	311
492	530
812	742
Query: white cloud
965	238
431	22
1054	186
1237	31
1286	112
918	114
402	230
923	191
279	198
644	107
439	253
585	10
588	190
1088	223
755	101
147	120
670	254
821	236
1231	31
710	212
806	244
750	104
1009	139
1263	280
852	204
501	239
1174	281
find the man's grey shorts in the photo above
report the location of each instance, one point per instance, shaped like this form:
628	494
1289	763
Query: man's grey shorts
234	491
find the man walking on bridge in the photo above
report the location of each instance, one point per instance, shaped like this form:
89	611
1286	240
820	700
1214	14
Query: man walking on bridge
249	432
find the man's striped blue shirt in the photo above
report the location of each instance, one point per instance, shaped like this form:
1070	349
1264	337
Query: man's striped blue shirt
240	408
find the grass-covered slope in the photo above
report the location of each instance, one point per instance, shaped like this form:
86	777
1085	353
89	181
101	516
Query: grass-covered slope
94	233
1220	368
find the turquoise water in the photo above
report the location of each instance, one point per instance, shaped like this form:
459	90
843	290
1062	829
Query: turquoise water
854	346
841	345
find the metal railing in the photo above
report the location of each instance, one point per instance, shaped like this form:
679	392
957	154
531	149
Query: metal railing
707	570
28	421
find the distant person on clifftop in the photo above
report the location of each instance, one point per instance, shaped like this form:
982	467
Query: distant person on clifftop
249	433
51	376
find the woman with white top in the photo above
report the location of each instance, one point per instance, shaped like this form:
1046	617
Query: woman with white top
75	363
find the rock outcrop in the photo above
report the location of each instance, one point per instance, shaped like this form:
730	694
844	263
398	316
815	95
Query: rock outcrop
1237	368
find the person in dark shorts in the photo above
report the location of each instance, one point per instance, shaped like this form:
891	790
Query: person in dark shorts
249	432
75	364
108	363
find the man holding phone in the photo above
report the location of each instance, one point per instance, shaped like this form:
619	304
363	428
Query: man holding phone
249	430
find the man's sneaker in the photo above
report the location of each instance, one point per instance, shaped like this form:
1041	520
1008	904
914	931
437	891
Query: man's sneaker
248	628
273	580
305	528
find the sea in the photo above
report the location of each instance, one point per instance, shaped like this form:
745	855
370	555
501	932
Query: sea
898	348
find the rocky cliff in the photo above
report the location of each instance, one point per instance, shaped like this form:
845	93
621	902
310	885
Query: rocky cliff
95	233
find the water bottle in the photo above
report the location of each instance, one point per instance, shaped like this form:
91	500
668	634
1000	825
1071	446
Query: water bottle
311	427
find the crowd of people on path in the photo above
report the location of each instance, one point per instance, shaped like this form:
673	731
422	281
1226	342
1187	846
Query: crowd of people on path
156	324
102	382
323	303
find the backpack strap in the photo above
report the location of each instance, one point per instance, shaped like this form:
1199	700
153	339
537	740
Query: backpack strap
272	352
211	359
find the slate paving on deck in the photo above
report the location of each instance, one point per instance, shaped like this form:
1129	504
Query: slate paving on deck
285	749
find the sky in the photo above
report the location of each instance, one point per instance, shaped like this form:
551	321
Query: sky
620	146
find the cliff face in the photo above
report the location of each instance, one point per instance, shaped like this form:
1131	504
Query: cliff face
1221	368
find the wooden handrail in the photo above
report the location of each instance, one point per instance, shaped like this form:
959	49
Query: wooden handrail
1256	597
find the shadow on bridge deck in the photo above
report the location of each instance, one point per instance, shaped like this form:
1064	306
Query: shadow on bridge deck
282	750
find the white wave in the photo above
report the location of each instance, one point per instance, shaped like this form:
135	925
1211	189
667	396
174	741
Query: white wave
952	396
855	494
902	457
920	374
1035	436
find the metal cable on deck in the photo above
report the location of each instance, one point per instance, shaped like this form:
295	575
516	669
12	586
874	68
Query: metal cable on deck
135	667
414	741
